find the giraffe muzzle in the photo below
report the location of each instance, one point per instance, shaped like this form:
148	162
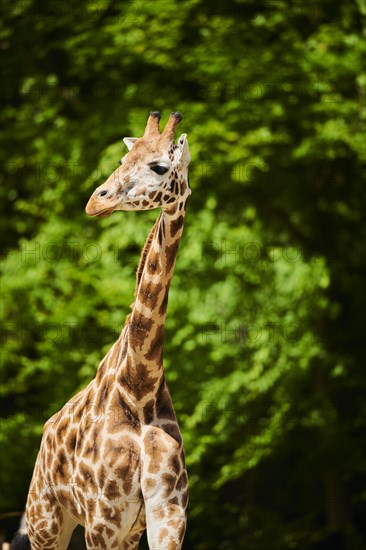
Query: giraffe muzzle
100	204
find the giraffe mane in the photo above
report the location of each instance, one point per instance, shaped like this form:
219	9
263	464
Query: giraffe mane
144	254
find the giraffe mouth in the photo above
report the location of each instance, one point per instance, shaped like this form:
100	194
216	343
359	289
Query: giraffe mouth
104	213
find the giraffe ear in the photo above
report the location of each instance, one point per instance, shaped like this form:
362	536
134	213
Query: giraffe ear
185	157
128	141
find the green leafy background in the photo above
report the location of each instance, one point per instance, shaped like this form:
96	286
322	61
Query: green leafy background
264	350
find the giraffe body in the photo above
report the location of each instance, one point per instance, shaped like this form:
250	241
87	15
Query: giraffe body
112	458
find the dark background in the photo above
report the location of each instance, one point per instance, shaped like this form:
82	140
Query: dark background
265	353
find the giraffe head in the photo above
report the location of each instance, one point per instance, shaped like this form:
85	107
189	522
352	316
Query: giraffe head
153	174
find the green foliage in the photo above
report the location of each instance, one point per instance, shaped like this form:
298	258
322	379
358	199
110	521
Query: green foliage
264	344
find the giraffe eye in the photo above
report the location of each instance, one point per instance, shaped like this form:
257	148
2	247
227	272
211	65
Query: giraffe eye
158	169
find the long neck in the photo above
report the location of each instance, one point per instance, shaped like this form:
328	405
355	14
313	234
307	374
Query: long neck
142	371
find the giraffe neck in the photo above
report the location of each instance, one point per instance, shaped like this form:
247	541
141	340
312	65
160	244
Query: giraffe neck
141	371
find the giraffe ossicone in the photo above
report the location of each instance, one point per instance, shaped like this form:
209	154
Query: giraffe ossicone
112	458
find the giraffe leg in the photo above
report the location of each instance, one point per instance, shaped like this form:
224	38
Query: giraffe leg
48	524
103	533
49	528
166	526
132	541
165	489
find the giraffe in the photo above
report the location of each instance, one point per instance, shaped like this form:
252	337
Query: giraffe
112	458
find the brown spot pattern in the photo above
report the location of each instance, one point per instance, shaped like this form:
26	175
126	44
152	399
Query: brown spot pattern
171	253
154	449
164	303
71	442
149	412
182	481
149	293
175	464
164	405
176	225
121	414
136	377
155	352
154	264
140	327
168	483
61	430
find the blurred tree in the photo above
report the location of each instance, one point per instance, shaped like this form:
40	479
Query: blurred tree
264	347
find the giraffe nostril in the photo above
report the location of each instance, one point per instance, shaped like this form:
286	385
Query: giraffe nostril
103	193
